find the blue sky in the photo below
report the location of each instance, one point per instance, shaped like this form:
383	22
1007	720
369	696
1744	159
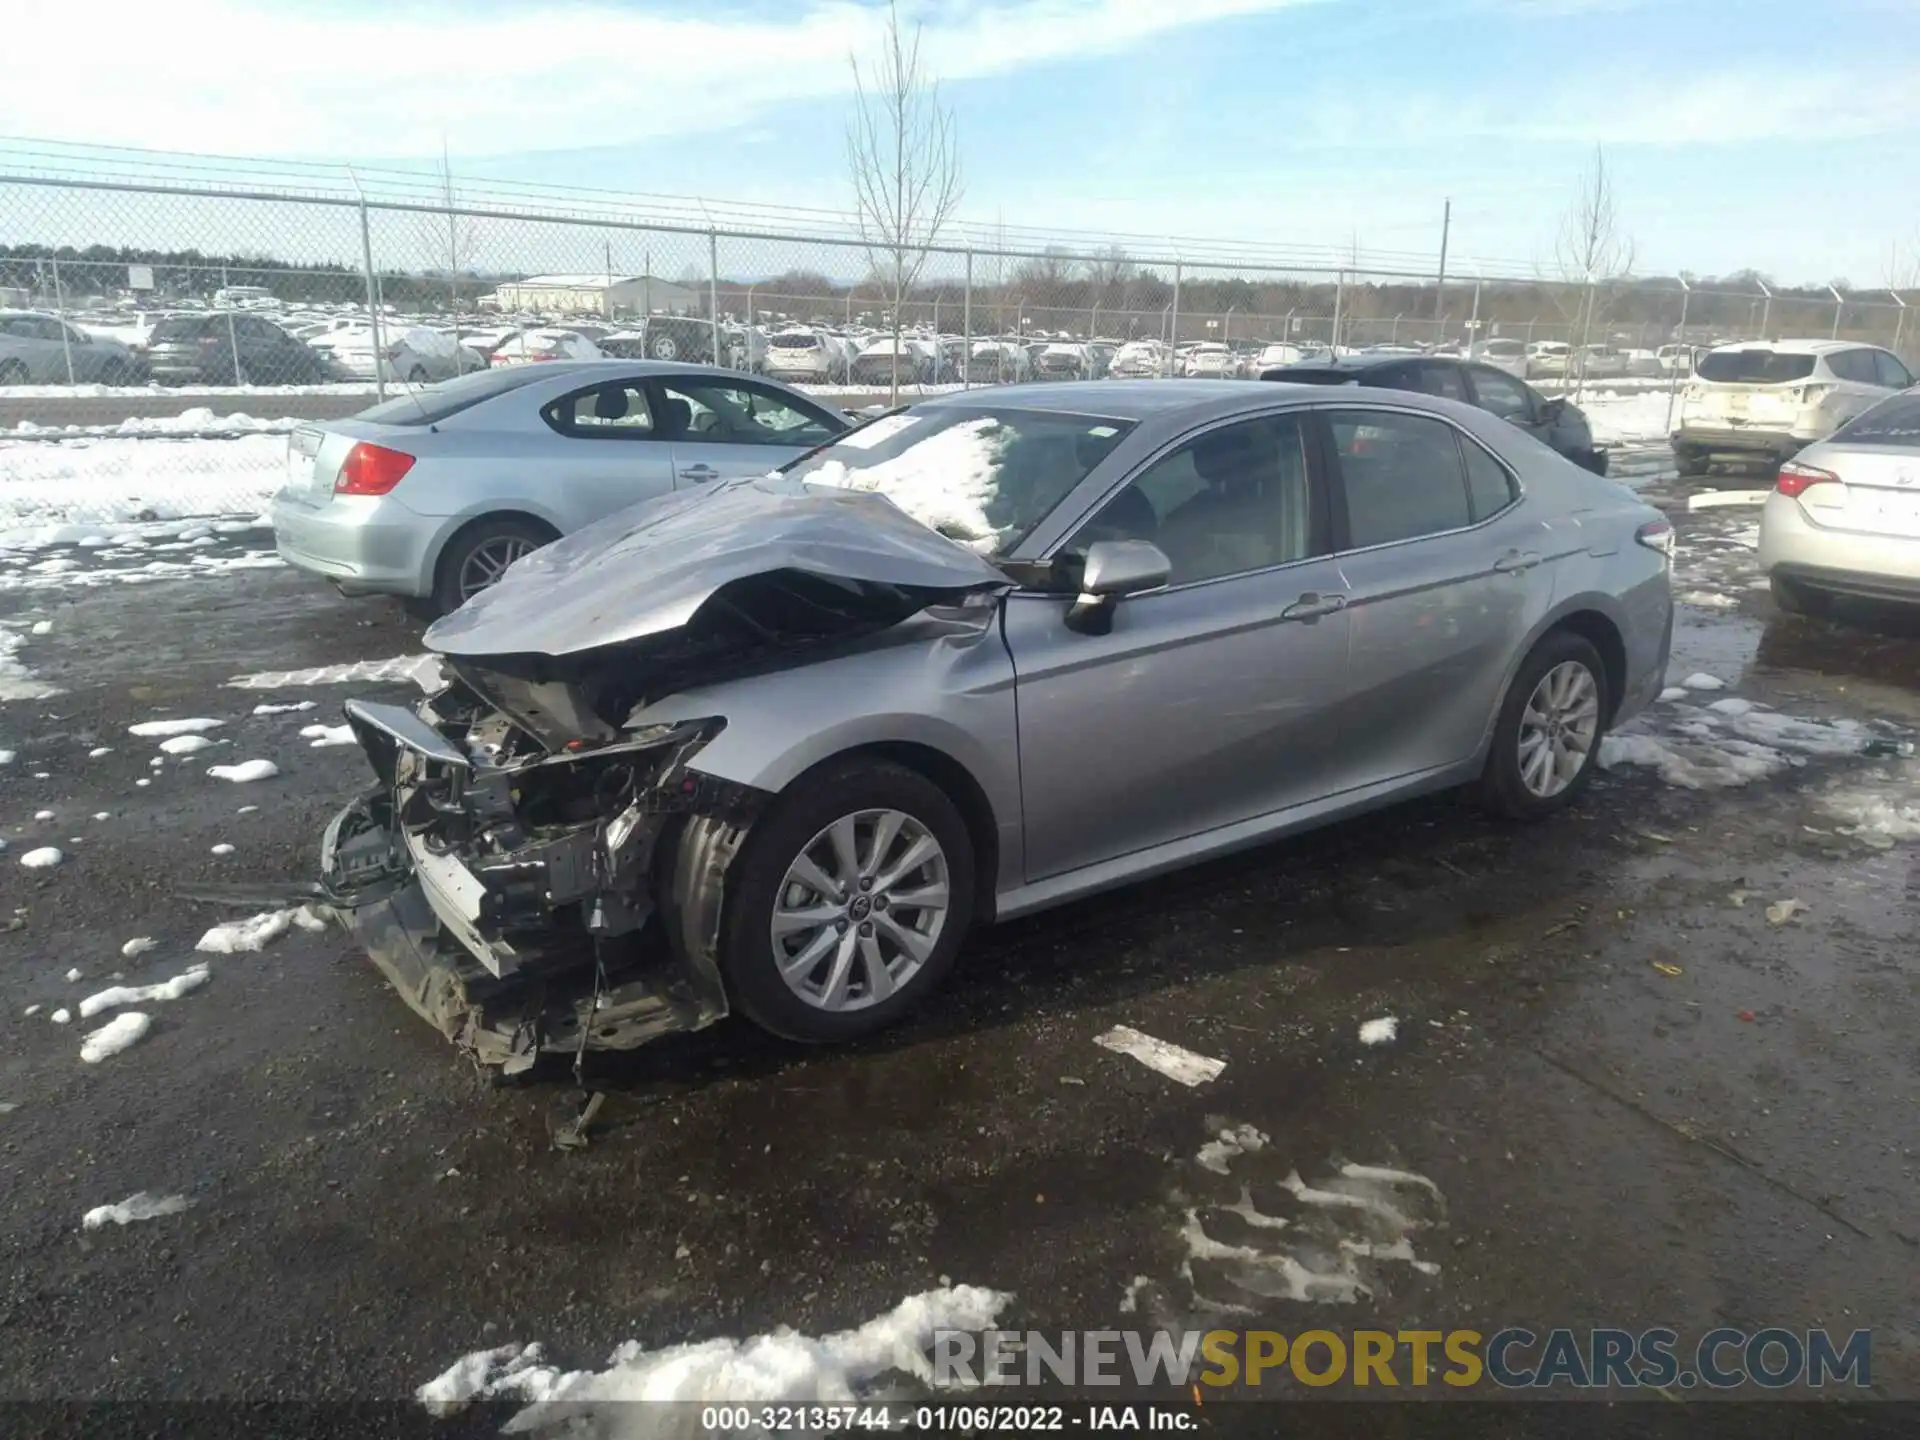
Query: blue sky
1767	133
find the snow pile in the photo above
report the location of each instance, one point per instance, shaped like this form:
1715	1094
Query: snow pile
945	482
782	1366
138	1206
184	744
110	480
149	729
120	1033
115	996
139	945
283	709
257	931
198	420
1379	1032
245	771
325	735
1878	808
1627	419
44	858
16	681
1729	743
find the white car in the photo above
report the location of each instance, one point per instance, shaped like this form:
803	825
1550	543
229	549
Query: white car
1212	360
1769	399
1507	355
1674	359
417	355
997	362
1548	357
1602	362
523	347
876	364
1280	353
804	355
1138	360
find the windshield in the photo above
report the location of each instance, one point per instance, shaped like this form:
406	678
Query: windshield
1754	367
436	402
984	478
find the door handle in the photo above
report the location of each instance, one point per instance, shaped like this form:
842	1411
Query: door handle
1312	605
1514	561
698	472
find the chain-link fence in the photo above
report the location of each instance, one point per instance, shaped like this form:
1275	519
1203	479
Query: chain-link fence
156	336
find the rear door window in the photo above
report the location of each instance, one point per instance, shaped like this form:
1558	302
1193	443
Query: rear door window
1490	489
736	414
1433	378
1402	476
1754	367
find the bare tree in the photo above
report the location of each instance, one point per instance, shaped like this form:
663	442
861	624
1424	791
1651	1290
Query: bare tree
448	239
1591	251
905	162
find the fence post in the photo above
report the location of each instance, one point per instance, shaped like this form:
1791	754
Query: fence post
1339	298
1680	338
1839	304
1473	321
1900	324
60	309
373	312
713	289
966	330
1173	327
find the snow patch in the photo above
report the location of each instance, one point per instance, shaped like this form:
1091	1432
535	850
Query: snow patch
421	670
120	1033
256	932
1379	1032
222	849
44	858
16	681
151	729
1700	680
139	945
185	744
138	1206
115	996
245	771
283	709
325	735
782	1366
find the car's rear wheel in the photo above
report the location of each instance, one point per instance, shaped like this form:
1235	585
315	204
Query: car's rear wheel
848	902
1797	598
1690	460
417	375
479	555
1548	734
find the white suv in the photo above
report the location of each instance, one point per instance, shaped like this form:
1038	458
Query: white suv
1772	398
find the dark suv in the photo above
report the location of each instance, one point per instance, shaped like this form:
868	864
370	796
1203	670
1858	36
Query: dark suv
231	349
1556	422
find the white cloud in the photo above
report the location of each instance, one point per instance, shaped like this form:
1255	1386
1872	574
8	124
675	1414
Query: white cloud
329	81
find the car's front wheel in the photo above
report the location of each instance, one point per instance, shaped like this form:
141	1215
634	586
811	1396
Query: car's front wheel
848	902
1547	737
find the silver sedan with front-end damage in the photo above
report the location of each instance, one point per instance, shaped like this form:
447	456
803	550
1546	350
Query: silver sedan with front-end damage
778	745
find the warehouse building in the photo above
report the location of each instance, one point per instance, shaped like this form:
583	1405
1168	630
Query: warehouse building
607	295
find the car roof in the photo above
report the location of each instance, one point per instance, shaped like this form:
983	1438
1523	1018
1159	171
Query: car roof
1791	347
1135	400
1358	363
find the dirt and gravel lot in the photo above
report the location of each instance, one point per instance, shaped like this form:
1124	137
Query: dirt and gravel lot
1641	1096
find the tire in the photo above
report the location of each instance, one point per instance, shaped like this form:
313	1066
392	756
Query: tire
12	372
1504	787
417	375
506	537
664	347
1795	597
760	881
115	372
1690	461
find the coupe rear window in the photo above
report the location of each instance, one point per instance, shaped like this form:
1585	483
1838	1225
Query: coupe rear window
985	478
1293	375
1754	367
1891	422
794	342
450	397
182	327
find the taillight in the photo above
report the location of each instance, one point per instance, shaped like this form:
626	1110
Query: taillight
1656	535
1797	479
371	470
1814	393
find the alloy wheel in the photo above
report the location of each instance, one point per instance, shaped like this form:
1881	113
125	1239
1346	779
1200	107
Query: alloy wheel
489	560
1558	728
860	910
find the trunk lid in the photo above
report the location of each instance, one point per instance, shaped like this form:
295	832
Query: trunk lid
315	453
1878	493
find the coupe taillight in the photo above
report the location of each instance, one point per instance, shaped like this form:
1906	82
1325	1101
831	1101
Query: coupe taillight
1796	479
371	470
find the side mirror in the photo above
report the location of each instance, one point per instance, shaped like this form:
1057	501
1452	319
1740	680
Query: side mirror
1114	569
1552	410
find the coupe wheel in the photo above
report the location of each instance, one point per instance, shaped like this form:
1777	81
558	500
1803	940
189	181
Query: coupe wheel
849	902
1548	731
479	555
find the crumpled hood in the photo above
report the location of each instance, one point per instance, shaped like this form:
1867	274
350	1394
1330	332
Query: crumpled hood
647	570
